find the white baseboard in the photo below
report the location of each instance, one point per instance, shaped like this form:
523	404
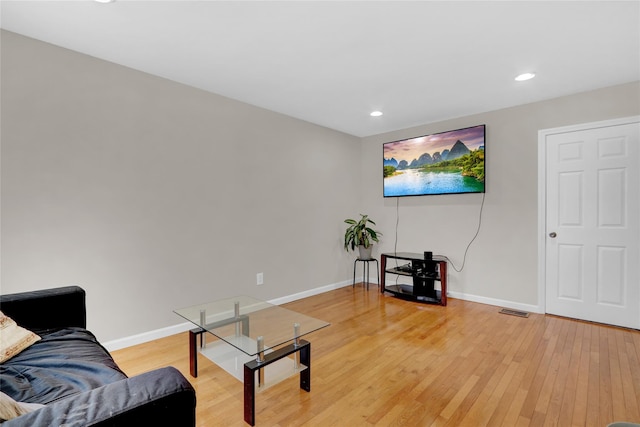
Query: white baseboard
310	293
185	326
147	336
493	301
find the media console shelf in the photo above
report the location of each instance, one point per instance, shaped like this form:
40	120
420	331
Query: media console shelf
424	273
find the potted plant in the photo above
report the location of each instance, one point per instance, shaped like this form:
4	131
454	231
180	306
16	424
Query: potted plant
361	235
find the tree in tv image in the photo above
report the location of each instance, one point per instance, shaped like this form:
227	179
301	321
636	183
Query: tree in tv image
442	163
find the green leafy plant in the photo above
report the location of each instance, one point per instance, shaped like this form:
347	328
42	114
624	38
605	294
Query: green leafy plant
359	233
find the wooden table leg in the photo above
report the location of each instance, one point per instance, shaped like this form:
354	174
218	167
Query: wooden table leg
305	375
193	351
249	396
304	348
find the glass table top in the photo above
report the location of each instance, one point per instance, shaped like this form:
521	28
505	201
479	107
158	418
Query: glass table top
240	321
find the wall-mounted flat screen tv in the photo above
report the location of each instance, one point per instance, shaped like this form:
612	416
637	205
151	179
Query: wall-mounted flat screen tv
441	163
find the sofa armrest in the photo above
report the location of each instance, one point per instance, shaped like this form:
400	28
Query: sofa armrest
47	308
160	397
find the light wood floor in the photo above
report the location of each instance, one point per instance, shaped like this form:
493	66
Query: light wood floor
388	362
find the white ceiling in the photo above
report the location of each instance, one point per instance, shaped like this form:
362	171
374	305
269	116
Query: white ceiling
332	62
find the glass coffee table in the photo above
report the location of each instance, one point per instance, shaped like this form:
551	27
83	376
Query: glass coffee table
258	343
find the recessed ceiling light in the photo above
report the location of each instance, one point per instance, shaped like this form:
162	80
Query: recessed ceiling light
525	76
105	1
376	113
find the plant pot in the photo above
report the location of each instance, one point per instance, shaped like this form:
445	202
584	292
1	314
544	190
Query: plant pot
365	253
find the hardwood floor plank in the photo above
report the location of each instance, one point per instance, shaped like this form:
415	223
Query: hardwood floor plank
513	414
593	396
569	389
502	401
605	411
617	386
559	387
462	393
632	346
582	390
389	362
546	347
503	413
544	403
631	398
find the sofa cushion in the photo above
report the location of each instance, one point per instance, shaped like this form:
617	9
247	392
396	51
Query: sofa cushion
62	363
13	338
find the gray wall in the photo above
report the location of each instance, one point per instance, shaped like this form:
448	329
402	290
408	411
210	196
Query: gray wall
501	264
153	195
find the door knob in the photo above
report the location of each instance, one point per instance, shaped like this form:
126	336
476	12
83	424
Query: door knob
553	234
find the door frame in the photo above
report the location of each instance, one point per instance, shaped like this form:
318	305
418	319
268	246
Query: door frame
542	193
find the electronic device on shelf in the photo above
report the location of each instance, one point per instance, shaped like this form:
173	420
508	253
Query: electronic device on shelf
405	268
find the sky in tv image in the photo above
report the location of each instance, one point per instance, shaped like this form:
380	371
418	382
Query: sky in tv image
413	148
444	163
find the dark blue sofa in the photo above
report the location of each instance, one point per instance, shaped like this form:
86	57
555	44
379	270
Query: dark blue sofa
74	376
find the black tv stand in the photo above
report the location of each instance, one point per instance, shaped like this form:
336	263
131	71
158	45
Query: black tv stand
424	273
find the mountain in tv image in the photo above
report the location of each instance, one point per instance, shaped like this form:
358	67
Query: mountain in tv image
449	169
458	150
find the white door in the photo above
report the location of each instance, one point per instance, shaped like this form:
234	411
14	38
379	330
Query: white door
592	236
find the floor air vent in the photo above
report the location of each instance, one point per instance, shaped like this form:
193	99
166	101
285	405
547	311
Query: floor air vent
514	312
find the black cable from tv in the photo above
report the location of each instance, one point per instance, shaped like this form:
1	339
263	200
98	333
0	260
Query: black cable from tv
464	258
395	244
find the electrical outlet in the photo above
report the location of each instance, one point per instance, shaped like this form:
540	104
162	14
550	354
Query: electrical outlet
259	279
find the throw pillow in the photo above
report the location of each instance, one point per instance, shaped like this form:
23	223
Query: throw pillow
9	408
13	338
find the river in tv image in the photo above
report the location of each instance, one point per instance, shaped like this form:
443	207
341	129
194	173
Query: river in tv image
414	182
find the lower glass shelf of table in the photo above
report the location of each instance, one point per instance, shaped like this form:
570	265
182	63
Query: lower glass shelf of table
232	361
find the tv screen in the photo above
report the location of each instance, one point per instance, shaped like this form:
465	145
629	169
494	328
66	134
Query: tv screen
442	163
